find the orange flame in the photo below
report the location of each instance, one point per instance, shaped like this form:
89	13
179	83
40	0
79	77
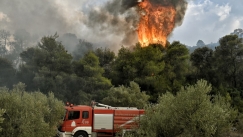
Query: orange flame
156	23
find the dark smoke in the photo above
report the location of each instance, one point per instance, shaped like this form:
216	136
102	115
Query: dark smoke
44	18
102	22
120	17
180	5
115	17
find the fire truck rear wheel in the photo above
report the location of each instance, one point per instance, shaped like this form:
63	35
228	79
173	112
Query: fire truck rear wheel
80	134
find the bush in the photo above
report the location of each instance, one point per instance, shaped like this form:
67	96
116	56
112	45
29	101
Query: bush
191	113
1	117
29	114
126	96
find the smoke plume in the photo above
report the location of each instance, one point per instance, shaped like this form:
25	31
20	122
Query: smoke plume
102	22
121	17
39	17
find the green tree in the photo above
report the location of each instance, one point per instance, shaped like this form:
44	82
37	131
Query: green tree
46	66
202	60
143	65
229	61
90	75
149	64
126	96
106	58
191	113
29	114
229	68
28	69
176	66
123	68
155	68
53	55
2	111
7	73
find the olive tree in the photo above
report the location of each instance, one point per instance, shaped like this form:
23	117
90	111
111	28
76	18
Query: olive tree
190	113
1	117
126	96
29	114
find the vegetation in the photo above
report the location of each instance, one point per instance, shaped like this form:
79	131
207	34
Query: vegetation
124	96
202	60
2	111
190	113
54	72
7	75
29	114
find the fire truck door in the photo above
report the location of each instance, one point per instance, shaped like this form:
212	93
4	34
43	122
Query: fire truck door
73	120
77	118
85	119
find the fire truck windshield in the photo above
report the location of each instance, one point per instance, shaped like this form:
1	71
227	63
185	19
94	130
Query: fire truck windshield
73	115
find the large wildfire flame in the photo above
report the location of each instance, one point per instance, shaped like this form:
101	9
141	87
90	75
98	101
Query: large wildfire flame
152	20
156	22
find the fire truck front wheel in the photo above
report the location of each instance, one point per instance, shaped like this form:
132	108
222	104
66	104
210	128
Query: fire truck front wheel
80	134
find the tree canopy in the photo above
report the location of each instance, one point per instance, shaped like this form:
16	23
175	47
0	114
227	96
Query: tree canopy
29	114
202	60
2	111
155	68
156	74
126	96
190	113
7	73
229	60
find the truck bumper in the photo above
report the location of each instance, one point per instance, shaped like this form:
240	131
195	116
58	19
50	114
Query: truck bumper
63	134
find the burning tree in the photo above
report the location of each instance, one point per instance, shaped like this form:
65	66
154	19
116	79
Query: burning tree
148	21
158	19
156	22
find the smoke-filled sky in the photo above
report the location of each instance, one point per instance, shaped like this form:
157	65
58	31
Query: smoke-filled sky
207	20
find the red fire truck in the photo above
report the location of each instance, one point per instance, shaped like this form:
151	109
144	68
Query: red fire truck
98	120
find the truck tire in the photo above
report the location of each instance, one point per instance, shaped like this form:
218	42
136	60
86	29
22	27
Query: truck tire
80	134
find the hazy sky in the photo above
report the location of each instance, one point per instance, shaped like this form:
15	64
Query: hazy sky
206	20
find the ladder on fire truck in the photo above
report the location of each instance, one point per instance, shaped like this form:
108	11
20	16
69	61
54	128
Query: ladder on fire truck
100	105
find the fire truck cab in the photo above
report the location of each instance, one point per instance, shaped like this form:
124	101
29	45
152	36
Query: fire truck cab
95	121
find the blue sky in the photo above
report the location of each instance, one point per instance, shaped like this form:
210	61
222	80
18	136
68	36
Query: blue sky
209	20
